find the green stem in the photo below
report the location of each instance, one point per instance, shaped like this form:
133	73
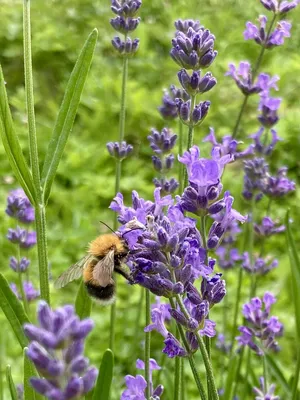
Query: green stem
237	305
41	232
265	371
190	134
20	279
206	338
207	363
178	378
180	151
190	357
34	158
33	150
148	346
254	74
296	379
2	357
239	118
113	309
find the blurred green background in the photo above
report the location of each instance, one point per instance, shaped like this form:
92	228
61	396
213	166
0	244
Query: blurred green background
84	184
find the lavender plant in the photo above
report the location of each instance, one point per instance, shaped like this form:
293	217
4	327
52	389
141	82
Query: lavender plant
182	240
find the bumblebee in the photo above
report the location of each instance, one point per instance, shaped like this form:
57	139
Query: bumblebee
105	255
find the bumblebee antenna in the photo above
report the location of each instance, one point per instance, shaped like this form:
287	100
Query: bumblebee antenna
108	227
130	230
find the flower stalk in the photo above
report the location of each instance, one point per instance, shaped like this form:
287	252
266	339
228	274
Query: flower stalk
147	344
34	158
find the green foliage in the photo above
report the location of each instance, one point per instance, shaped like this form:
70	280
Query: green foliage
84	183
13	310
102	388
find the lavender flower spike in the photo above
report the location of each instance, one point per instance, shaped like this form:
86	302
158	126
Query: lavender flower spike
119	151
56	349
19	207
263	392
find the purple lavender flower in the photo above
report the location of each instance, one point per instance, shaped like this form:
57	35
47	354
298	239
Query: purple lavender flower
269	107
243	78
279	7
173	347
184	25
126	47
255	177
262	330
125	8
268	227
166	185
259	34
56	349
162	142
136	385
263	392
260	144
278	185
30	292
260	266
195	84
25	239
222	345
119	151
193	116
204	178
19	265
193	49
168	109
228	258
228	146
19	206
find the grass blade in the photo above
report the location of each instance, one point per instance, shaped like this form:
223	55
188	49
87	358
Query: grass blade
231	374
276	371
83	302
11	385
295	271
12	146
67	112
102	388
13	310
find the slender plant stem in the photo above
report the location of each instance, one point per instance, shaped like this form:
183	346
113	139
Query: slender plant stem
296	379
33	150
190	134
254	74
2	358
206	338
180	151
265	371
41	232
148	345
20	279
34	158
239	118
113	309
236	307
178	378
190	358
205	356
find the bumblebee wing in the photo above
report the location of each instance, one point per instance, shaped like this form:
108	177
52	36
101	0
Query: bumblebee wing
72	273
102	272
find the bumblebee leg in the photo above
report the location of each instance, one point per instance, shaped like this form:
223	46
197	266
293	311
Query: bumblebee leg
124	273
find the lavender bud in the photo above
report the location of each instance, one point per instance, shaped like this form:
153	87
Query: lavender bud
127	48
157	163
169	161
192	294
119	151
179	317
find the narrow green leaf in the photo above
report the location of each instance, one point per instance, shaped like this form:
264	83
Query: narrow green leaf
83	302
231	374
12	146
29	371
103	384
13	310
295	270
277	373
67	112
11	385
